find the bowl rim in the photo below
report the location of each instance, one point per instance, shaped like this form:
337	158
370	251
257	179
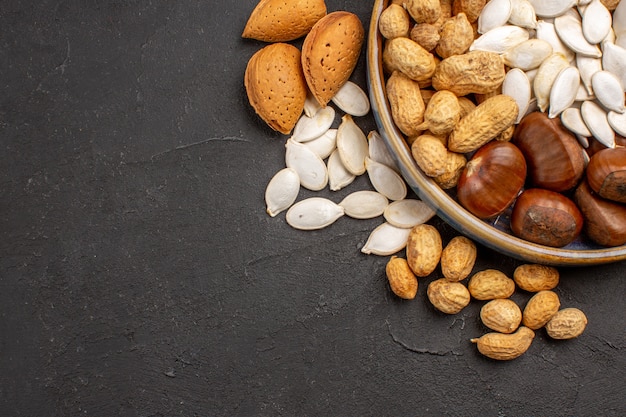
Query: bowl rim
428	191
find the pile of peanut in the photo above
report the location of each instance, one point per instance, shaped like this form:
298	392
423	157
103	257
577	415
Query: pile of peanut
513	329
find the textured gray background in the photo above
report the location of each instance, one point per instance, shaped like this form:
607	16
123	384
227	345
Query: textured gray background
140	275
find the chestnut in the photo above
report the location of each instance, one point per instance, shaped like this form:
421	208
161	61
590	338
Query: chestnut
554	156
606	174
492	179
605	220
546	217
596	146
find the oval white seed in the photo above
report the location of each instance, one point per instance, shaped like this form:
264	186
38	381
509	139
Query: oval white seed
386	240
494	14
619	19
614	61
352	145
313	213
338	176
564	90
282	190
528	54
608	91
500	39
309	166
546	74
385	180
379	152
596	21
352	99
523	14
587	66
408	213
545	31
309	128
573	121
596	120
570	30
618	122
325	144
552	8
517	85
364	204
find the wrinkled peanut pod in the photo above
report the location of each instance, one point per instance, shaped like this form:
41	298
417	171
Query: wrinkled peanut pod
484	123
536	277
490	284
472	72
471	8
405	102
567	324
456	36
448	297
540	309
430	154
442	113
423	11
458	258
455	163
505	347
426	35
401	279
501	315
394	22
423	249
408	57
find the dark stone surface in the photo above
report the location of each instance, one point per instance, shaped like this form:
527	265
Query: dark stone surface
140	275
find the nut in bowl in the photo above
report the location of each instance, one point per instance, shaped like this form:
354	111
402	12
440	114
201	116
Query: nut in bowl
494	232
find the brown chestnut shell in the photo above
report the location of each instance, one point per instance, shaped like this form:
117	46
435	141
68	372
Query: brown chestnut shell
492	179
606	174
546	217
605	220
554	156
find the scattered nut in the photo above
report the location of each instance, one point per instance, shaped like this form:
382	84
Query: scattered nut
567	323
501	315
448	297
504	347
536	277
401	279
490	284
423	249
540	309
458	258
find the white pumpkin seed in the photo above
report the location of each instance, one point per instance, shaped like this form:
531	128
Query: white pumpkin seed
583	95
546	74
608	91
309	166
500	39
379	152
573	121
408	213
596	120
531	77
311	105
583	2
386	240
570	30
610	38
385	180
352	145
523	14
621	40
528	54
517	85
325	144
583	141
494	14
364	204
614	61
564	90
619	19
313	213
596	22
587	66
282	190
352	99
309	128
618	122
552	8
545	31
338	176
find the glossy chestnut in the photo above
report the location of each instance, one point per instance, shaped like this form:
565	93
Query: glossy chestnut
554	156
492	179
606	174
605	220
546	217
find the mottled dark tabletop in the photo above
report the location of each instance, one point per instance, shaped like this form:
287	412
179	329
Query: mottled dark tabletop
141	276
